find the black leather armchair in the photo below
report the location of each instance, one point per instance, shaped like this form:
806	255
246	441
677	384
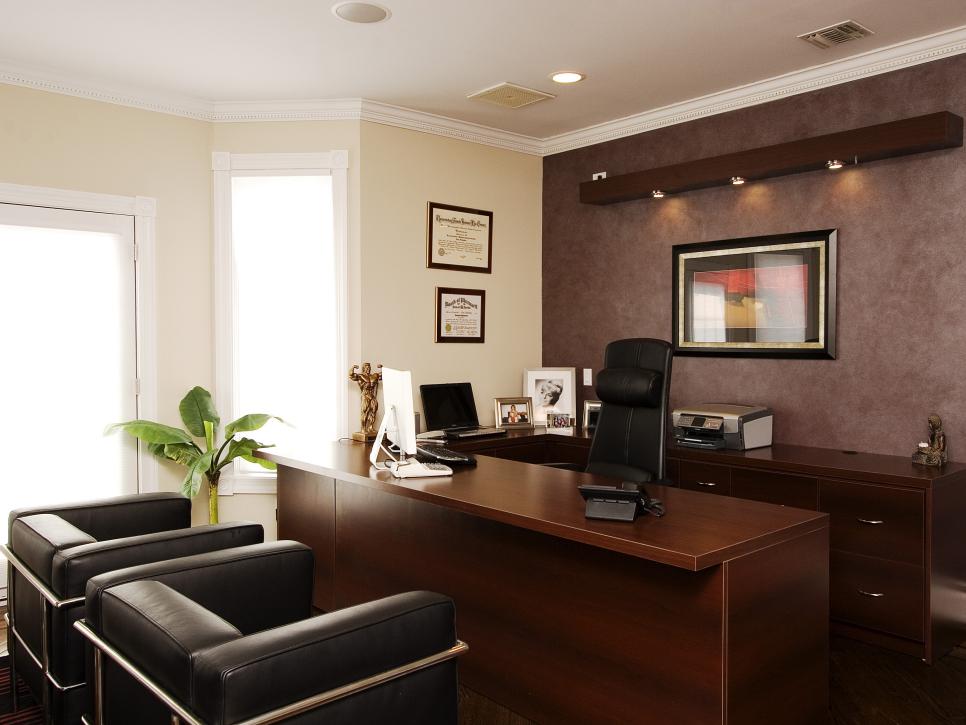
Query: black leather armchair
229	637
631	432
53	551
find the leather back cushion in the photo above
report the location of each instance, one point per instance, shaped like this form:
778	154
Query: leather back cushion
632	387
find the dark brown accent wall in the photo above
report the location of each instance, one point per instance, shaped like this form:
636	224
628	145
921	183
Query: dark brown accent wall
901	263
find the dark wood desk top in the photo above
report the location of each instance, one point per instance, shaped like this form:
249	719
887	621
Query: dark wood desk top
806	460
699	531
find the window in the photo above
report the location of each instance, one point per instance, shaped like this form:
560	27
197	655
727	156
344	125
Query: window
280	289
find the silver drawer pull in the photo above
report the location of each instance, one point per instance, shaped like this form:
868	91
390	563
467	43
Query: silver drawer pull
871	522
707	483
874	595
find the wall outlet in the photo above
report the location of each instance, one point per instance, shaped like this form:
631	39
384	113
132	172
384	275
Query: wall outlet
588	376
600	175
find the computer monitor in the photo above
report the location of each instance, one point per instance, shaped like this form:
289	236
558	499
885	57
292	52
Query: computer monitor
449	406
398	418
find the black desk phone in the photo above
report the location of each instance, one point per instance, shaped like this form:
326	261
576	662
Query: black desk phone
618	504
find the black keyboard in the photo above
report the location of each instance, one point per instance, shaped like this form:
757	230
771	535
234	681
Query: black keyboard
429	453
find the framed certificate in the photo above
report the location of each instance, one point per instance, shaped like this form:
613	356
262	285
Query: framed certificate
459	238
460	314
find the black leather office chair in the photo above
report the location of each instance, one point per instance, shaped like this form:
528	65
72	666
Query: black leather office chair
633	388
229	637
54	550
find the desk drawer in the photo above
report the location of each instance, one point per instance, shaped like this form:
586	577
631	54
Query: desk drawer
879	594
781	488
875	520
705	477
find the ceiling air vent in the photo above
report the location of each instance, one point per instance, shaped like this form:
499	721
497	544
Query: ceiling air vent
510	95
836	34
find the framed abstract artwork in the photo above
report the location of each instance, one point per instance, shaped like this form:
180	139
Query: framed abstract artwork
768	296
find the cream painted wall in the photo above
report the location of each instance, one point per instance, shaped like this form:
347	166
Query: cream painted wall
64	142
60	141
402	171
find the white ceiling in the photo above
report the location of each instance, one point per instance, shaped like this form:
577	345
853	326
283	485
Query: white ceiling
638	54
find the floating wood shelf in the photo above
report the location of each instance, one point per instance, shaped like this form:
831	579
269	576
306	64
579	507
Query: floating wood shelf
885	140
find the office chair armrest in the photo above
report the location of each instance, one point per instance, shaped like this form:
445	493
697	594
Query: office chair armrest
159	630
254	587
118	517
35	539
71	568
566	466
256	674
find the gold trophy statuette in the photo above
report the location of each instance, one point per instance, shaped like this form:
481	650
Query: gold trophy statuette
368	382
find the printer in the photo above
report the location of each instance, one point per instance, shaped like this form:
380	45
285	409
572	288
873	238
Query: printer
718	425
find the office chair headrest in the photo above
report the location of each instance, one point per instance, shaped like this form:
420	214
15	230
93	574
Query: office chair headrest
633	387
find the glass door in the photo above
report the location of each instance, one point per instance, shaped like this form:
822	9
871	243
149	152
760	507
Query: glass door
68	356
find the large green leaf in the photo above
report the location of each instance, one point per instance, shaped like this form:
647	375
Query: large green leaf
197	407
184	453
270	465
151	432
196	473
252	421
244	448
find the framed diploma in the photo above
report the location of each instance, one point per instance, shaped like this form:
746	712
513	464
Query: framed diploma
460	314
459	238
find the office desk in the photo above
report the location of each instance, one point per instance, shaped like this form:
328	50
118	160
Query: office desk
717	613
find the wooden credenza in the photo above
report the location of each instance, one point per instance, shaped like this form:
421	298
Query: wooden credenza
898	547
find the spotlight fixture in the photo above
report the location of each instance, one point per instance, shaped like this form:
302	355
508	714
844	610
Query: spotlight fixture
567	76
737	180
354	12
834	164
657	194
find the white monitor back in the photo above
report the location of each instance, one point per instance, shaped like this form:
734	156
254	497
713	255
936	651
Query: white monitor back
397	395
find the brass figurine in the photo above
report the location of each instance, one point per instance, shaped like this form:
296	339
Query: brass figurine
368	382
932	453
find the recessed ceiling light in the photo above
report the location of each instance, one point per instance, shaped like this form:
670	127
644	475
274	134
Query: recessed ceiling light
737	180
567	76
361	12
834	164
657	194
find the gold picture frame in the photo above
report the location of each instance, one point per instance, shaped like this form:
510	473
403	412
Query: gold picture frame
506	408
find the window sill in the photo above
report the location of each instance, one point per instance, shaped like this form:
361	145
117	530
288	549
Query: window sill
250	483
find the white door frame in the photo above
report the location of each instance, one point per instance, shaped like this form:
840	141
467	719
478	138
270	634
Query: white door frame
144	211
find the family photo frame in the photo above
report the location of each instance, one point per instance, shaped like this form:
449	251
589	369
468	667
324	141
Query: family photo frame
513	412
552	390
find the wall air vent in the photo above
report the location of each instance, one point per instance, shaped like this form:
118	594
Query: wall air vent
836	34
510	95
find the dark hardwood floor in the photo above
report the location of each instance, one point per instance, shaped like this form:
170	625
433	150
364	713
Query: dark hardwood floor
869	686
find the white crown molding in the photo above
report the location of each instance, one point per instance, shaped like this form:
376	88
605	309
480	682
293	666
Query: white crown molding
875	62
66	84
894	57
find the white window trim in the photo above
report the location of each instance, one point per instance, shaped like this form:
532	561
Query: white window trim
223	164
144	211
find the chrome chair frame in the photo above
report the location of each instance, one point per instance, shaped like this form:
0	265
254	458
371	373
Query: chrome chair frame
51	600
180	714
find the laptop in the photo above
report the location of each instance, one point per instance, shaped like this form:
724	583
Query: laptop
451	408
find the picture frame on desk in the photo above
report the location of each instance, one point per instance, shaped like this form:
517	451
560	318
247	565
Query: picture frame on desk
770	296
513	413
552	390
591	414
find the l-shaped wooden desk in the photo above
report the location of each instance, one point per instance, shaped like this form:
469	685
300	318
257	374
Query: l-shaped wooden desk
716	613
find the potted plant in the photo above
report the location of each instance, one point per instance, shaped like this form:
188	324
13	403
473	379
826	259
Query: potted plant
201	421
